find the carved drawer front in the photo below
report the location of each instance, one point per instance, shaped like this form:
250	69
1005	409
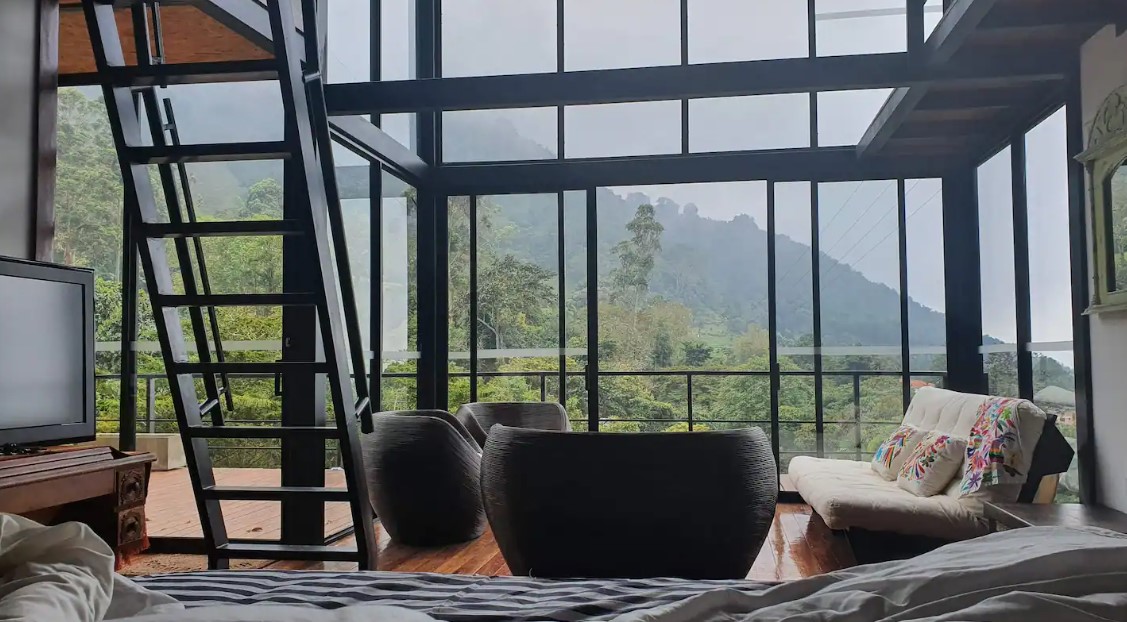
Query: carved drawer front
131	486
130	526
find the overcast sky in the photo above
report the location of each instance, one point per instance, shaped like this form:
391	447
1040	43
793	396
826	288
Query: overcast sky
489	37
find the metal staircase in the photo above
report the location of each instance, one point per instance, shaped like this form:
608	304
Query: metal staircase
135	113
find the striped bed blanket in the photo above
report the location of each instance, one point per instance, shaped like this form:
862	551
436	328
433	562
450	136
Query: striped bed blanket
443	597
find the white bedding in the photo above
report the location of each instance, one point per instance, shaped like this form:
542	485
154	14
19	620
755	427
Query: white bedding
1053	574
65	573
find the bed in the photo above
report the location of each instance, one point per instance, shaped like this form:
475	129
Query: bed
444	597
65	573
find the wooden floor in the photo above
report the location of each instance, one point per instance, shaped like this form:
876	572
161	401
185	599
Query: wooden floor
799	544
170	510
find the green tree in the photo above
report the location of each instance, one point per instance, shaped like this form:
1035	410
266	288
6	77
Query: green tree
630	280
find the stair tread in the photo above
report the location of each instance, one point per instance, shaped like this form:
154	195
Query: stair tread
263	367
259	432
193	73
277	550
276	493
220	228
209	152
237	300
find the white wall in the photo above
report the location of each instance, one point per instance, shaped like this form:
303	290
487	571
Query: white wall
18	60
1104	69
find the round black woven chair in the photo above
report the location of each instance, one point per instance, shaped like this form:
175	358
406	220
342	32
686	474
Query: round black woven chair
479	417
423	476
696	505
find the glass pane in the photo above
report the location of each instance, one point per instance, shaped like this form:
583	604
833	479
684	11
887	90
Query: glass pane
736	30
349	42
1054	386
996	246
518	296
495	37
575	304
623	33
401	127
605	130
499	135
748	123
1117	227
860	275
844	116
356	207
397	39
1050	260
458	329
227	112
794	278
927	302
846	27
933	13
399	229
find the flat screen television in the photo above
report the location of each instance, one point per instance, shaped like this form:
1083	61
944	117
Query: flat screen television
46	353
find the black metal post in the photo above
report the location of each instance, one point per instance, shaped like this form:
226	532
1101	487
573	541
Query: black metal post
857	414
592	311
561	295
689	399
150	406
127	419
773	324
1021	267
473	345
816	286
375	295
375	194
428	15
962	282
905	350
303	393
915	26
1081	329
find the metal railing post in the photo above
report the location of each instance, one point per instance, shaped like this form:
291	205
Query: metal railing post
857	414
689	395
150	404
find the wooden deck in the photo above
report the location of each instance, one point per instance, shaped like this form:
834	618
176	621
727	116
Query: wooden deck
799	544
171	508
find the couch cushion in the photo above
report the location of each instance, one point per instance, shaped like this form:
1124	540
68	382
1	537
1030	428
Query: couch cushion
892	453
932	464
847	493
955	413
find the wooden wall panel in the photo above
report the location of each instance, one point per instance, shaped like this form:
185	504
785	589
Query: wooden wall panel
190	35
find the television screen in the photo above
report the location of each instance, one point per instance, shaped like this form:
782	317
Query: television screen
46	353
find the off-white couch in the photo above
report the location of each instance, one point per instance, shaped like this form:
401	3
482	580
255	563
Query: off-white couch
848	494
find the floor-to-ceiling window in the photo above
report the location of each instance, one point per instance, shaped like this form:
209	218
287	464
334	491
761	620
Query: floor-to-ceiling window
1027	284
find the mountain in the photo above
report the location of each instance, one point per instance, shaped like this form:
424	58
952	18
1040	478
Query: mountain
716	268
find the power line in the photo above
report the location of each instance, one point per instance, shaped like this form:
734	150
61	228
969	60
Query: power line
881	241
840	209
841	262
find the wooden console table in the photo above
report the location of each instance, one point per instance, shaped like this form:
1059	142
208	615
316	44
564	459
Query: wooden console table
99	486
1015	515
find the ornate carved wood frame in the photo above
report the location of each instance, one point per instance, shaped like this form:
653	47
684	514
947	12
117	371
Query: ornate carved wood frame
1106	154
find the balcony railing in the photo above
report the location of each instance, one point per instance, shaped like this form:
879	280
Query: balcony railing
151	421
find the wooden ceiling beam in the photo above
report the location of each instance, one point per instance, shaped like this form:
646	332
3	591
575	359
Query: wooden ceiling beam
958	24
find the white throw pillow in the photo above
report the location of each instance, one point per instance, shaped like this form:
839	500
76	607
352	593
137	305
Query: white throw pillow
892	453
932	464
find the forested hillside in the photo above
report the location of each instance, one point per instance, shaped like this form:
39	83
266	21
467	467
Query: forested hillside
677	291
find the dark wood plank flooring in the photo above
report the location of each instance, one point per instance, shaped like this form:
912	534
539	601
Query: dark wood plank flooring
799	545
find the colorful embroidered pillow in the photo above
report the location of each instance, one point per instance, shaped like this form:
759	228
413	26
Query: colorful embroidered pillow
891	454
994	447
932	465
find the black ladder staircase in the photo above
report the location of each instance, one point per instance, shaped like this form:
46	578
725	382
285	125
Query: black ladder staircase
135	113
